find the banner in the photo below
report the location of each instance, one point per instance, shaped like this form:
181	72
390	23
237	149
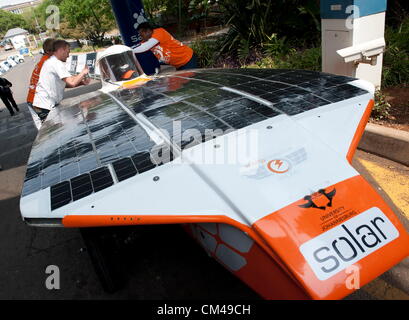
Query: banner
90	62
73	65
129	14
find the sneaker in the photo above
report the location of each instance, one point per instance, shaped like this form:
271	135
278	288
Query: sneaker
12	114
17	109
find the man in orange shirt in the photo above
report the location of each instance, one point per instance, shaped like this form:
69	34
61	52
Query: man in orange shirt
35	76
167	49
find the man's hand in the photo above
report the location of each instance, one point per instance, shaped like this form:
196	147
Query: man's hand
75	81
85	71
86	81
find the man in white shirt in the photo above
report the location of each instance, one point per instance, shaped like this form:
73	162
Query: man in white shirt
54	77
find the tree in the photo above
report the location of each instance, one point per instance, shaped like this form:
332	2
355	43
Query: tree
31	21
40	14
10	20
76	33
152	7
94	17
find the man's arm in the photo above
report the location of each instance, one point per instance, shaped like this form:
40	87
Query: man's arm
138	67
75	81
146	45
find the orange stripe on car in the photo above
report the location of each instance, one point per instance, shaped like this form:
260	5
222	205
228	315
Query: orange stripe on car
360	130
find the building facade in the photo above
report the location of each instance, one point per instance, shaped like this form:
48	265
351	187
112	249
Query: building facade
19	7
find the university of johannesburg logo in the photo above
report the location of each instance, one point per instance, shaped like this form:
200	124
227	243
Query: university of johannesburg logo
315	200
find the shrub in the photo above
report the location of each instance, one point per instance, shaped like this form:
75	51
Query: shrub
253	22
205	52
381	108
396	58
396	67
309	59
276	46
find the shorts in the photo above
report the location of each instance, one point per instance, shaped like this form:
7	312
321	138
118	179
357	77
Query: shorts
39	115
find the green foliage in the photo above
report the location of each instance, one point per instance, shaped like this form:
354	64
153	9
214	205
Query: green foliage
67	31
243	50
396	67
94	17
276	46
396	58
152	7
199	9
31	22
89	19
255	22
205	52
85	49
381	108
40	13
10	20
308	59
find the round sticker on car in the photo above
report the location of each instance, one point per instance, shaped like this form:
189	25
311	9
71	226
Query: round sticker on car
278	166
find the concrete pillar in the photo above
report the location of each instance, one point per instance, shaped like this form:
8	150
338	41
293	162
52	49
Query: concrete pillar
353	38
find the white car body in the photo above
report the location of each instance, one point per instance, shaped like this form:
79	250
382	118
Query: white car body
17	58
11	62
5	66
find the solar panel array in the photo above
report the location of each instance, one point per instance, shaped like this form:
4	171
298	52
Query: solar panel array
80	146
77	143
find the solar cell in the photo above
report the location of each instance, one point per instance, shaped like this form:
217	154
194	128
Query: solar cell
101	179
124	168
60	195
81	186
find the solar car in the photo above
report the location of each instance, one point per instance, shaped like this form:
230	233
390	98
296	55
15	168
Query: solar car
255	164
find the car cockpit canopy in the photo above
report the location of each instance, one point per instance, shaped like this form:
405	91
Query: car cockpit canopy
117	64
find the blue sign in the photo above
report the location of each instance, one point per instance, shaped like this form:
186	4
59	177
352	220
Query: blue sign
129	14
23	51
342	9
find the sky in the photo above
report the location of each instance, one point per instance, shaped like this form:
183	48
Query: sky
4	3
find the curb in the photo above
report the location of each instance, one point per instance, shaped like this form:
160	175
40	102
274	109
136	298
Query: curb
386	142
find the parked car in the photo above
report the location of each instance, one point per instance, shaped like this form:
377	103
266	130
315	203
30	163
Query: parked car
5	66
11	62
18	58
8	47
